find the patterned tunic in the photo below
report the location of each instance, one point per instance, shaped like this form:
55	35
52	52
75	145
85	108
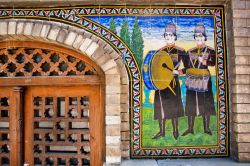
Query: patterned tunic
203	103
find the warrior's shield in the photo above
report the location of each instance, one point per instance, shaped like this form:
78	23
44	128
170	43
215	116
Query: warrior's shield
158	70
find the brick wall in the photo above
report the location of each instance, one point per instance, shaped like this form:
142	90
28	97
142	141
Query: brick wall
238	50
116	85
241	80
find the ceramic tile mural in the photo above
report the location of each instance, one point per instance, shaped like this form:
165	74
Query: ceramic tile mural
176	63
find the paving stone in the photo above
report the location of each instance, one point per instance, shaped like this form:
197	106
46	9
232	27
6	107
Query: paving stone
92	48
70	38
12	28
113	120
53	32
62	35
20	28
78	41
113	140
4	28
45	30
85	44
37	29
108	65
28	28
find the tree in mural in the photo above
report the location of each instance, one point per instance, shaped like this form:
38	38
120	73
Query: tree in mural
124	34
112	25
137	42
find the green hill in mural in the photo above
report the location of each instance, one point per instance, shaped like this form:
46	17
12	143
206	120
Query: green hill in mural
199	138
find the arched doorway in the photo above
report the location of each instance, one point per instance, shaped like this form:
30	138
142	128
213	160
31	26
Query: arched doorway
52	107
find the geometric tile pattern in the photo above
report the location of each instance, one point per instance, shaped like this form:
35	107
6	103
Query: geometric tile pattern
76	16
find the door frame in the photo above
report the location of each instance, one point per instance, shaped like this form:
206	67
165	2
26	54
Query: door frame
18	83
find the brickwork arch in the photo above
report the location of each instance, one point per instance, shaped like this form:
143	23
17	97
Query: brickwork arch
116	94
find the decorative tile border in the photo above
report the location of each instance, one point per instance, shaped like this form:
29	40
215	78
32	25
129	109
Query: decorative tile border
75	16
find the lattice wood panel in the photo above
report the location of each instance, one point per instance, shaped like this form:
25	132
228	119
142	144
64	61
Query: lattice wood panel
61	130
4	131
57	121
23	62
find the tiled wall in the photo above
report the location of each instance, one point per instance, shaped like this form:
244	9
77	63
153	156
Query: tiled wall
238	42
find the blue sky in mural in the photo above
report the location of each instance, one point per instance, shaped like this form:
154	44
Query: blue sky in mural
153	26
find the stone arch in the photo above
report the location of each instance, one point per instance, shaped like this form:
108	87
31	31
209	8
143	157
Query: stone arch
117	81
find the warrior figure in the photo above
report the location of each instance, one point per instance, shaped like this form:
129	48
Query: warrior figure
167	102
199	97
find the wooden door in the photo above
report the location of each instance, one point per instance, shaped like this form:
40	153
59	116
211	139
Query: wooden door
11	124
63	125
54	112
5	142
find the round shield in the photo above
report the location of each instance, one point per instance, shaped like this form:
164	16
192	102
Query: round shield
162	70
158	70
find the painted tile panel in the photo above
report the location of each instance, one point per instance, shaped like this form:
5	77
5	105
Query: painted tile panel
176	62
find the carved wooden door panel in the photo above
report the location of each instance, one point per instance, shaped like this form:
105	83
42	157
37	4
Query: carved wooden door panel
51	106
63	126
11	125
5	142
